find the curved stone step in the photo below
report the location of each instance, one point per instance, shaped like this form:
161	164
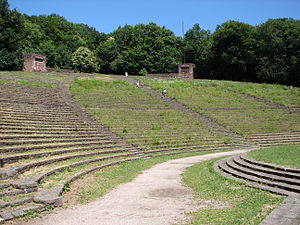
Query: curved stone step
41	123
54	145
190	145
281	137
20	201
18	191
109	149
263	169
167	152
221	167
52	197
9	172
53	136
171	142
46	132
190	148
272	134
30	184
44	120
16	112
291	188
12	158
275	141
130	135
4	216
264	175
34	128
269	165
278	144
47	141
41	112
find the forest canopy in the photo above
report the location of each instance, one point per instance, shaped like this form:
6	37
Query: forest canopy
269	52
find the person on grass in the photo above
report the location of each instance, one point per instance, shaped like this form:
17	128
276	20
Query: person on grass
163	93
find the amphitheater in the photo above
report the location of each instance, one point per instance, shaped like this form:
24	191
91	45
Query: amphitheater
48	139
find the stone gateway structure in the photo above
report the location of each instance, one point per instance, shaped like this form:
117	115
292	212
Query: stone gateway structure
186	70
34	63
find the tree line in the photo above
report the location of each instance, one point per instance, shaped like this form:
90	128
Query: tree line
269	52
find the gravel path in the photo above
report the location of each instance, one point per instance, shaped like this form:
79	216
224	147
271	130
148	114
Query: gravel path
157	196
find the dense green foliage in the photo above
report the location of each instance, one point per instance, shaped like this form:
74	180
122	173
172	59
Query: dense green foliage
84	60
232	52
278	51
197	45
148	47
269	52
11	27
58	39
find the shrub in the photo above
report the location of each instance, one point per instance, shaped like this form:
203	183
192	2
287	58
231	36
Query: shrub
83	60
143	72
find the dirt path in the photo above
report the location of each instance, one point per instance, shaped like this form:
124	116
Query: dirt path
157	196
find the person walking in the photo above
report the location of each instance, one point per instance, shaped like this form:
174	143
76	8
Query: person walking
163	93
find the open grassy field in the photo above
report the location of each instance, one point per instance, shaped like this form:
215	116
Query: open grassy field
288	156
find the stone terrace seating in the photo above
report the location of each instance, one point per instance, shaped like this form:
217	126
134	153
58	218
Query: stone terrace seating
42	137
277	179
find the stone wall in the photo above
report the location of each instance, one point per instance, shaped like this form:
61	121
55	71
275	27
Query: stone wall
185	70
34	63
162	75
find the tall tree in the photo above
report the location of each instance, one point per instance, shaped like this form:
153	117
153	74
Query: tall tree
150	47
279	51
233	51
58	38
107	52
197	44
11	27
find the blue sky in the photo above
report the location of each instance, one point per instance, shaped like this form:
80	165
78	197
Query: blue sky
107	15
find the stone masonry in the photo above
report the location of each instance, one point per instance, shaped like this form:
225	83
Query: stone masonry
34	63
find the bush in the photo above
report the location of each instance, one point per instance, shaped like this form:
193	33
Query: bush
10	60
83	60
143	72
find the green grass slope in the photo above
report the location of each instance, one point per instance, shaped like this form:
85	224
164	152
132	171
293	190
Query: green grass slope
230	202
221	101
139	118
288	156
38	125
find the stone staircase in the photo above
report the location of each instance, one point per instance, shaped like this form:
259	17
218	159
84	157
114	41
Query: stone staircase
48	141
273	178
188	135
274	139
42	137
